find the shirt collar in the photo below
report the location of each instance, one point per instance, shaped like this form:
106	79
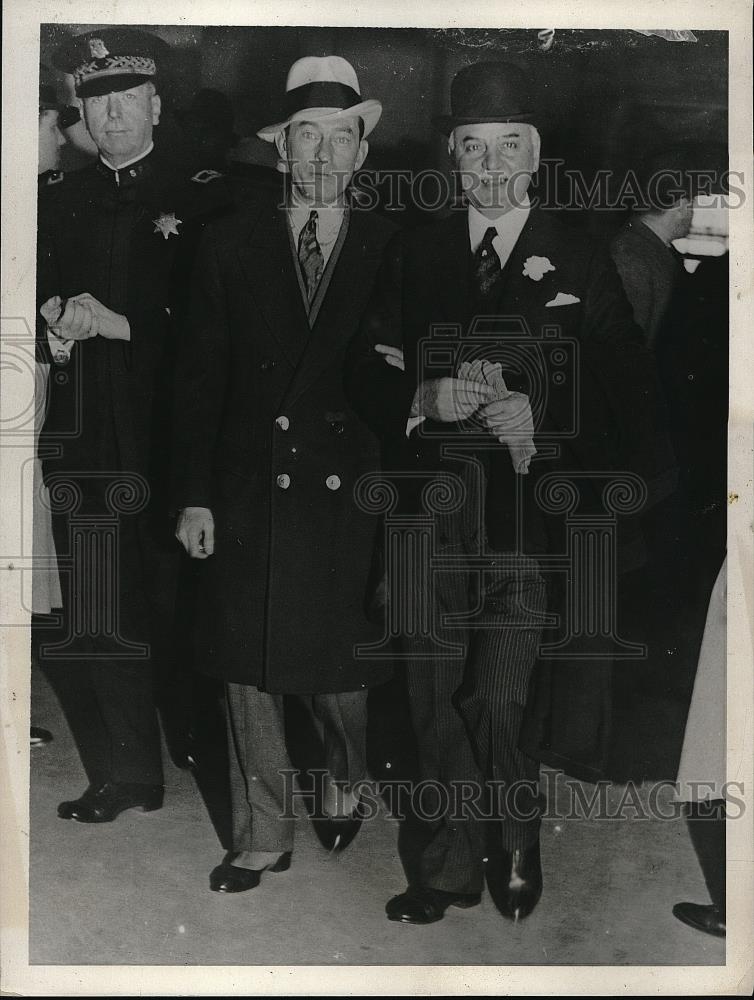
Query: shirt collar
329	218
128	163
130	173
508	226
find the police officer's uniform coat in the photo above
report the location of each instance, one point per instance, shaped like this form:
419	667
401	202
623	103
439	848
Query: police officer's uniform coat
267	441
113	234
127	238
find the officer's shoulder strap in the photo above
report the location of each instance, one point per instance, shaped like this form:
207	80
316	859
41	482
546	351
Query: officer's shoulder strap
205	176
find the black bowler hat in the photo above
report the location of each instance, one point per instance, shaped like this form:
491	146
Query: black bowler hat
110	59
488	92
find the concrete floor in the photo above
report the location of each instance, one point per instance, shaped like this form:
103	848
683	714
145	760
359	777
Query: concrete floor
136	891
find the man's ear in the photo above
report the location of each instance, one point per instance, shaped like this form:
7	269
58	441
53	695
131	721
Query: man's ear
282	148
361	155
156	109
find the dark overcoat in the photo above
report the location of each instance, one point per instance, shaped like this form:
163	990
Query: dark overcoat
595	399
267	440
108	421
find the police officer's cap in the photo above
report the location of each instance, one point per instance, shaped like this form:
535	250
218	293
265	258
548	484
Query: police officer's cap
110	59
48	100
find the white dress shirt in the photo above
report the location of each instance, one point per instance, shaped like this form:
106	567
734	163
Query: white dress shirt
329	221
508	228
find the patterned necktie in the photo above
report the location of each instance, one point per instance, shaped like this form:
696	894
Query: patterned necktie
487	269
310	256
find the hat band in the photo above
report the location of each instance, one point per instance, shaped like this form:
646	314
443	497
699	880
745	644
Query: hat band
320	95
111	65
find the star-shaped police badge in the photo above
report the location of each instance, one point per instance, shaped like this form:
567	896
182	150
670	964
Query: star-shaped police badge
167	224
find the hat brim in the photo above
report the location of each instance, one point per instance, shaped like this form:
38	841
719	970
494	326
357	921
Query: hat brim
111	83
446	123
368	111
68	114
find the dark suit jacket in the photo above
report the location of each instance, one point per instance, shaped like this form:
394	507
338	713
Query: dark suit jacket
268	441
649	271
583	364
605	413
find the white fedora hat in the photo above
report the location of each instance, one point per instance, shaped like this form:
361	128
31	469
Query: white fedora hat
323	87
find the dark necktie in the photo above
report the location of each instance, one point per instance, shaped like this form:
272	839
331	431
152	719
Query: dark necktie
487	269
310	256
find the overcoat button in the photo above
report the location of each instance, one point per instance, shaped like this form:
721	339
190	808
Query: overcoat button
333	482
283	423
283	481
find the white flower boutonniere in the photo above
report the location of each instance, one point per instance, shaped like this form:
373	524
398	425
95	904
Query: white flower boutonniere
536	267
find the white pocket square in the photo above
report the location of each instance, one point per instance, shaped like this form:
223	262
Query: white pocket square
563	299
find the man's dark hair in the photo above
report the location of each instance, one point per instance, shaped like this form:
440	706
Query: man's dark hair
664	178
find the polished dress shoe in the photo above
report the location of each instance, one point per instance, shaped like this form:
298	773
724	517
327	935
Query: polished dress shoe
337	832
514	880
104	803
422	905
38	737
183	751
230	878
709	919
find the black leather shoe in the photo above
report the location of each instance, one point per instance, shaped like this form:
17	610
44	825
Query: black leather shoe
38	737
514	880
422	905
104	803
230	878
337	832
183	751
702	918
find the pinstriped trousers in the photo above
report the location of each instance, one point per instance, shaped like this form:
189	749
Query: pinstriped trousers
467	710
262	817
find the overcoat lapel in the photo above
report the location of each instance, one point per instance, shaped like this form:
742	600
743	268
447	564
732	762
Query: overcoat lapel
272	282
519	294
327	275
450	260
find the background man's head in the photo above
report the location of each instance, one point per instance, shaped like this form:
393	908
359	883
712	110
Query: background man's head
50	141
667	191
114	72
53	117
492	140
322	140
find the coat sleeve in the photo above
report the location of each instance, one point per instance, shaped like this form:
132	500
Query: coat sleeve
378	392
619	387
201	380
